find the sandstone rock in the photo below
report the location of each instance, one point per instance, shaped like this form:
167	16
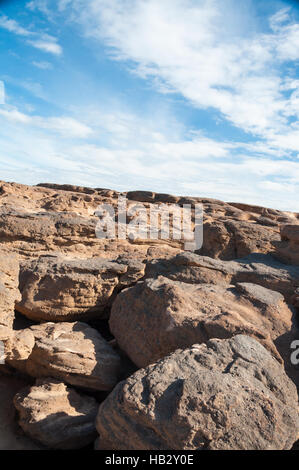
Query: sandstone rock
74	353
230	239
259	269
56	288
11	438
56	415
18	345
9	293
287	250
223	395
157	316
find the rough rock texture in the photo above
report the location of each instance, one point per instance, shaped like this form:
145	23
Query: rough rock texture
157	316
226	394
11	437
288	249
18	345
263	270
51	217
9	293
56	415
56	288
74	353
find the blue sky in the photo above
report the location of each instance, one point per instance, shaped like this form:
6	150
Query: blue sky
191	97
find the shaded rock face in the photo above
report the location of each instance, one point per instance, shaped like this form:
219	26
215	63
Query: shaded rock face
11	437
56	416
155	317
74	353
226	394
287	250
56	288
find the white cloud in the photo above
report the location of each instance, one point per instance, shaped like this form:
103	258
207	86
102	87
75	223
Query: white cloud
51	47
13	26
131	152
66	126
206	50
40	41
43	65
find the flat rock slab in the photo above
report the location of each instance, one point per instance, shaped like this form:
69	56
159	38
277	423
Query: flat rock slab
56	415
74	353
57	288
223	395
260	269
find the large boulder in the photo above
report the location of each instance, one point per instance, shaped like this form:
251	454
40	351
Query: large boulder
74	353
223	395
57	288
157	316
56	416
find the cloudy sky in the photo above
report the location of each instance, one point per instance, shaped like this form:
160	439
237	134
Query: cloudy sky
191	97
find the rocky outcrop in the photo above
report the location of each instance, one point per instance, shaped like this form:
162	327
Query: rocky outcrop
56	416
226	394
287	250
50	218
74	353
56	288
157	316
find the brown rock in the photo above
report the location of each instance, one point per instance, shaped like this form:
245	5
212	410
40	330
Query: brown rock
74	353
56	416
287	250
56	288
157	316
223	395
9	293
18	344
259	269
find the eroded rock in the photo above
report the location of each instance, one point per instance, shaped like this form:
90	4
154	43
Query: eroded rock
57	288
56	416
74	353
223	395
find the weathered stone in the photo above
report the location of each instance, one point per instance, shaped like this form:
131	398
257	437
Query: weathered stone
18	344
56	416
287	250
223	395
259	269
74	353
9	293
56	288
157	316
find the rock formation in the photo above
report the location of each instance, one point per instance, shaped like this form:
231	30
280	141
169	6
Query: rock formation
215	329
